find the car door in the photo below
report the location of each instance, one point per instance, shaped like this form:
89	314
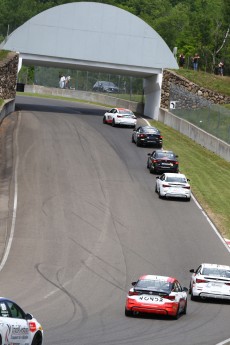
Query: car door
20	332
182	295
135	132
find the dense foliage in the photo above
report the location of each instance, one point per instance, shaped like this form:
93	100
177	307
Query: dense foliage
193	26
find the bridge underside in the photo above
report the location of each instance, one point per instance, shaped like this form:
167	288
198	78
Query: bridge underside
96	37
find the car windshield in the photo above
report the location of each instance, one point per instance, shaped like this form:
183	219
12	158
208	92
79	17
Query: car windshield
151	130
169	155
175	179
216	272
126	112
156	285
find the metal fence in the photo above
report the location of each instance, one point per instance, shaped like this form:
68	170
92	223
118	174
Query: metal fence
212	118
130	88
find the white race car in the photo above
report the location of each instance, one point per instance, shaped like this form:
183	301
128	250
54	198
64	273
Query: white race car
18	327
173	185
120	117
210	281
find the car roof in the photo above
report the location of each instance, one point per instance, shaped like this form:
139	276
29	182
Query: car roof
157	277
164	151
174	175
207	265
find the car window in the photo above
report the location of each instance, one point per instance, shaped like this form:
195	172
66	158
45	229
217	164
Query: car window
198	270
4	312
150	130
216	272
162	178
15	311
175	179
158	285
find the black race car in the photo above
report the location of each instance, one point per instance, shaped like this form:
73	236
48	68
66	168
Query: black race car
147	135
162	161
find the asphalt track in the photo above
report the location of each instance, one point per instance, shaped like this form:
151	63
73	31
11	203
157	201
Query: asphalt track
85	222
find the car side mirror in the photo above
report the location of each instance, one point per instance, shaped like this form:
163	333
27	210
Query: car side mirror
29	316
188	179
149	154
192	270
134	283
157	177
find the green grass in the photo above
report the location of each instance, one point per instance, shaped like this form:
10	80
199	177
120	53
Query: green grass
207	80
209	175
3	54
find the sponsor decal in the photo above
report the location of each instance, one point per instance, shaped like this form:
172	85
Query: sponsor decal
33	326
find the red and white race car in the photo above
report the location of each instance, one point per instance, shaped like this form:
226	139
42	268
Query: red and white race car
155	294
120	117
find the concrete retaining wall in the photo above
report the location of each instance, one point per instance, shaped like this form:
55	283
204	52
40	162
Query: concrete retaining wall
7	108
201	137
101	98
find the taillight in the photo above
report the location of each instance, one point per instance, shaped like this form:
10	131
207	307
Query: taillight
133	293
201	281
161	137
187	187
142	136
119	115
172	298
155	161
227	284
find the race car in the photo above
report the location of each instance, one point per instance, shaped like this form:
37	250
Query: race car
18	327
173	185
155	294
210	281
120	117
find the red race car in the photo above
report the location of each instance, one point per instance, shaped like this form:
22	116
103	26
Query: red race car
155	294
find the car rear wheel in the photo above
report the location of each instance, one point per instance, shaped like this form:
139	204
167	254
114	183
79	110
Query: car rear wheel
113	123
151	170
185	309
128	312
133	139
156	188
193	298
104	119
138	143
175	317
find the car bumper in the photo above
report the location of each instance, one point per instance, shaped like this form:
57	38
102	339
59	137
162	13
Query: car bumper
126	123
166	169
150	142
163	309
209	293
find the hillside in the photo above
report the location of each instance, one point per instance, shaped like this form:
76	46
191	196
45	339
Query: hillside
207	80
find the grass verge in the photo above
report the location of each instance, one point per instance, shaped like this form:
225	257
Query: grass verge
207	80
209	175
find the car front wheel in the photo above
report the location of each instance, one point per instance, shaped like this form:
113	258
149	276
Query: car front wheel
104	119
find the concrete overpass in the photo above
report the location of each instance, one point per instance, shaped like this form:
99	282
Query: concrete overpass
96	37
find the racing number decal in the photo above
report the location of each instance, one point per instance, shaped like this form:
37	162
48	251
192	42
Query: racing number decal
153	299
